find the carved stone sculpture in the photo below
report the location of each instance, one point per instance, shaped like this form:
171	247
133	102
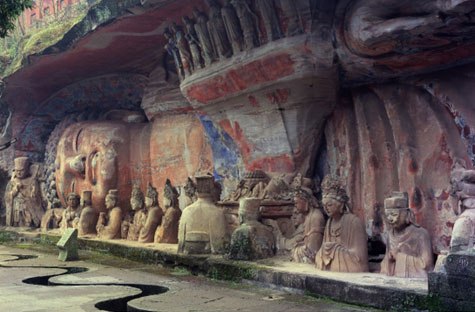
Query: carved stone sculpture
88	219
173	51
463	187
253	185
202	226
233	27
201	28
154	216
408	246
344	247
252	239
24	200
167	232
52	219
72	213
182	47
294	25
309	226
270	19
217	30
248	20
132	224
108	224
190	192
193	43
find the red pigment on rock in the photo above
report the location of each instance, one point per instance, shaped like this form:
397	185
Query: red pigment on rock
267	69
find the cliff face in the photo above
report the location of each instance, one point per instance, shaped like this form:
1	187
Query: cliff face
386	111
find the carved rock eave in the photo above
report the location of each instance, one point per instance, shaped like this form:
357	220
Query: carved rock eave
277	65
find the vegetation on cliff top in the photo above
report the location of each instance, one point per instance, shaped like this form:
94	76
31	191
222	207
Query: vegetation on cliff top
9	11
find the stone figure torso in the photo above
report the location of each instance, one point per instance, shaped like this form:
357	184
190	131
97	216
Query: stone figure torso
344	248
153	220
463	234
108	225
414	253
138	222
306	249
167	233
70	218
202	228
252	240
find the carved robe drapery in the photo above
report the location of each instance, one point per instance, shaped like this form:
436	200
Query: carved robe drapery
344	249
413	253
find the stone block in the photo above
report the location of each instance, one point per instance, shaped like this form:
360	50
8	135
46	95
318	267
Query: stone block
68	246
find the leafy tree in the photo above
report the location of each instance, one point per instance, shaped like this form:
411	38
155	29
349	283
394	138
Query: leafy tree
9	11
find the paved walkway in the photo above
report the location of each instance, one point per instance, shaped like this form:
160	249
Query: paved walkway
185	292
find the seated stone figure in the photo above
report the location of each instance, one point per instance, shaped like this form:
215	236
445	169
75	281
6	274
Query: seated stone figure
154	216
72	213
463	187
408	246
252	239
88	218
309	223
344	247
132	224
108	224
202	227
167	232
52	219
24	199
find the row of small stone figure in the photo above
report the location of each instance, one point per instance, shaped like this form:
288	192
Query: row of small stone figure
148	222
230	29
339	244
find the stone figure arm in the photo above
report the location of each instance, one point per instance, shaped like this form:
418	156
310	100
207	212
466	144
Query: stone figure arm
101	222
154	219
314	238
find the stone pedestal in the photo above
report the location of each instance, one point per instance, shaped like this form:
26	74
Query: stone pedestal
454	284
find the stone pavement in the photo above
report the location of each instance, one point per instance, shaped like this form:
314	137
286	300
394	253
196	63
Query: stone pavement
185	292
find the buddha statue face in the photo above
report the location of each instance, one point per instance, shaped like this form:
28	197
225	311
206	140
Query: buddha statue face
333	207
89	157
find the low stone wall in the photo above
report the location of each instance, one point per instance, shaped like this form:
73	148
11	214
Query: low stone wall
366	289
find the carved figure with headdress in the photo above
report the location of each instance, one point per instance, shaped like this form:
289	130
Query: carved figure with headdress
167	232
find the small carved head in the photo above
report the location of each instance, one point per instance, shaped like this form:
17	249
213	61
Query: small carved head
334	199
111	199
73	200
170	195
136	198
249	210
22	167
397	211
151	199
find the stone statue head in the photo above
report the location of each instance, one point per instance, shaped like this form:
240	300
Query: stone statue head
249	210
111	199
73	200
170	195
86	198
151	199
190	188
205	185
22	167
397	212
302	205
334	198
136	198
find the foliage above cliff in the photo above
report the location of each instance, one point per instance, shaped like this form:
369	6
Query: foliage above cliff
9	11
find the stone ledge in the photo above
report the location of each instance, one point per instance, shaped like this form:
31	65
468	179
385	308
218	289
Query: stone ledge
367	289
